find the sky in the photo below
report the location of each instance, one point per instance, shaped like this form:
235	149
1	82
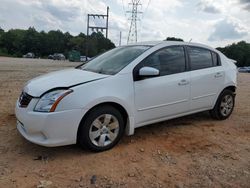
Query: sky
212	22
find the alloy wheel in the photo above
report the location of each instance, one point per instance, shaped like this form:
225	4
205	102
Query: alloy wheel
104	130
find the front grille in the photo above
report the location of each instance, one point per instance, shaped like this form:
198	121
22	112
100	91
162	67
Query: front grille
24	100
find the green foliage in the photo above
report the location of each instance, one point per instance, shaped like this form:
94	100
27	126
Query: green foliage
238	51
17	42
174	39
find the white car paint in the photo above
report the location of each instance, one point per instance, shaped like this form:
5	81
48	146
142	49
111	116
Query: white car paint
59	79
145	101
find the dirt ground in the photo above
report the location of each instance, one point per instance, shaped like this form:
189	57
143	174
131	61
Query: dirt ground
193	151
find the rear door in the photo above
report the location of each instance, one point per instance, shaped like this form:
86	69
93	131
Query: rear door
207	77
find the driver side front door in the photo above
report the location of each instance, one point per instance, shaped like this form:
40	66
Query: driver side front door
166	95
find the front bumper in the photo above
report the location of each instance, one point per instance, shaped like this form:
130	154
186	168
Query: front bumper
48	129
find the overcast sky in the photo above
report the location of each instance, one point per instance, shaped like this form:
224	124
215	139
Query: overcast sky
213	22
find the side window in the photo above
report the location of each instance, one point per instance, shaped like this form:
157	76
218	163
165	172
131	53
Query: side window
200	58
169	60
215	57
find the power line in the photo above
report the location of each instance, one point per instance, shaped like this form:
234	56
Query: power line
123	8
149	1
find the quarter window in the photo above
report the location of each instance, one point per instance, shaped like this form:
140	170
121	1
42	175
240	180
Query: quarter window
200	58
215	59
169	60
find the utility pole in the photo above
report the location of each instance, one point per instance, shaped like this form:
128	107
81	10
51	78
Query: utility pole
96	28
120	40
132	35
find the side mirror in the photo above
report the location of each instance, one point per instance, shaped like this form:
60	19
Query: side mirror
148	72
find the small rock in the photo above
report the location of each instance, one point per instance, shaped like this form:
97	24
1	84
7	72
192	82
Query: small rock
134	160
208	145
246	172
44	184
93	179
215	156
174	162
226	156
234	158
132	141
167	156
141	150
194	160
13	180
42	175
221	170
131	175
233	176
41	158
79	180
159	152
122	183
81	185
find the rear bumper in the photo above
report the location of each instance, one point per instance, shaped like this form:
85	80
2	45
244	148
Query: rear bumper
49	129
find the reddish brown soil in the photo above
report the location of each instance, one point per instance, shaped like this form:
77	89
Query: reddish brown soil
193	151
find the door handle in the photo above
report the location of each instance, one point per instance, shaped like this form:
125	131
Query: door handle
218	74
183	83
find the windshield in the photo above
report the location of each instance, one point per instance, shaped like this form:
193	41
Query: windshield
113	61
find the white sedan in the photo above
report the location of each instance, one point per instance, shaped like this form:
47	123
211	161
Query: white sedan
125	88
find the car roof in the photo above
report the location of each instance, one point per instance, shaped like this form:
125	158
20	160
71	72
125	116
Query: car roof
170	43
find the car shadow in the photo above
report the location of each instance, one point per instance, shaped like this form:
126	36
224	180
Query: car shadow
43	153
181	121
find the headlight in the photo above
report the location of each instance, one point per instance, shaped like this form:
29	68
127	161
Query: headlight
49	101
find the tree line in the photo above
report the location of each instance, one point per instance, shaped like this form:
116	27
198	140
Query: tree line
17	42
238	51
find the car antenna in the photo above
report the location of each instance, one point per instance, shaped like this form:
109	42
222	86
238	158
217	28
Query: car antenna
190	40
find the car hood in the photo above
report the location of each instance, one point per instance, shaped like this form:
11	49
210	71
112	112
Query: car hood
60	79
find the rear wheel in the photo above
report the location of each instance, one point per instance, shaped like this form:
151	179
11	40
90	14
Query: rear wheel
224	105
102	129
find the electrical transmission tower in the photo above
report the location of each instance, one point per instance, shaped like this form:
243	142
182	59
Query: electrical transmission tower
132	35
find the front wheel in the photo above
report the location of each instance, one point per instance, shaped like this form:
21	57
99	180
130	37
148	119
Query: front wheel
102	129
224	105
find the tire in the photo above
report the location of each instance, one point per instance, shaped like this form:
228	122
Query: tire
102	129
224	105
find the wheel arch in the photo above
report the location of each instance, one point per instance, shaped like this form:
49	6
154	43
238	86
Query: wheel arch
129	128
229	87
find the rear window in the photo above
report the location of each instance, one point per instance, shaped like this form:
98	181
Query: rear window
200	58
